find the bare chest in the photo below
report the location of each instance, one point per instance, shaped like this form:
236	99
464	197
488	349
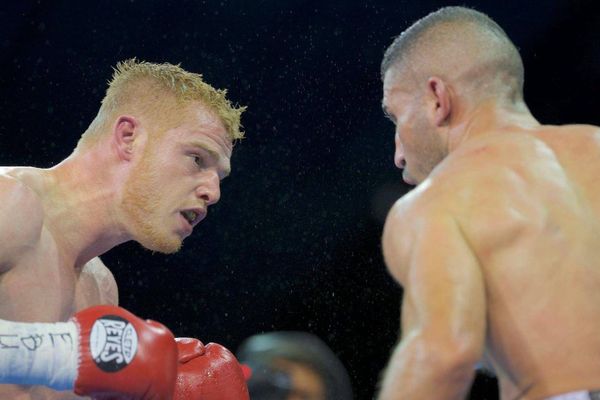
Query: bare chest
43	286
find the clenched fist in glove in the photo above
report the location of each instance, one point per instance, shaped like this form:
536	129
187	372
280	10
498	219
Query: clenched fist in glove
208	372
103	352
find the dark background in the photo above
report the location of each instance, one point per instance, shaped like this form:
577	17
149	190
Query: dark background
294	242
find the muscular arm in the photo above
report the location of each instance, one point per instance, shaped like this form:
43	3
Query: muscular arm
97	278
105	280
443	313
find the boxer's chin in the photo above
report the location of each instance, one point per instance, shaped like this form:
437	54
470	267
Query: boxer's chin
154	237
161	243
146	230
408	178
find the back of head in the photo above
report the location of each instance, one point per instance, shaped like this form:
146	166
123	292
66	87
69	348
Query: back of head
462	46
264	350
161	93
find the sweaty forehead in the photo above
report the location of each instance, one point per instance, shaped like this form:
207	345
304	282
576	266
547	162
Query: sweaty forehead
390	88
398	86
200	114
393	79
205	122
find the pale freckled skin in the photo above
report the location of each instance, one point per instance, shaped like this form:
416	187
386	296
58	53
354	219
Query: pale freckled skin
199	185
70	214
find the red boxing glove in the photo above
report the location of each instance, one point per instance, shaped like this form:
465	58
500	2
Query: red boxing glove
208	372
122	356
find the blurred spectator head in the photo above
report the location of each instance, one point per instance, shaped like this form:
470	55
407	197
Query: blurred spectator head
293	366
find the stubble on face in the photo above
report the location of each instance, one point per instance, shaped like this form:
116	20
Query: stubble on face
141	204
422	144
427	152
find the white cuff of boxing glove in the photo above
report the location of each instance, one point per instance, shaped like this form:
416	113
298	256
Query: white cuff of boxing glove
39	354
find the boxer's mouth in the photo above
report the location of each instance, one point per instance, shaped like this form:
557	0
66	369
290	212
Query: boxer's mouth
193	216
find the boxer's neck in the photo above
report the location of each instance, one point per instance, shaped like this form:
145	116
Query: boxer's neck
490	117
82	196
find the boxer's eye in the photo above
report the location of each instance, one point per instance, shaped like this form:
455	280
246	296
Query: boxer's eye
199	161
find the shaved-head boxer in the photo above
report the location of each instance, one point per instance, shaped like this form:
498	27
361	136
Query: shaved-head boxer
498	246
147	169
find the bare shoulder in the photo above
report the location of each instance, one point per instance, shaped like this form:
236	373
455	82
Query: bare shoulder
404	224
582	129
472	189
581	140
19	200
489	169
490	187
397	240
21	219
104	279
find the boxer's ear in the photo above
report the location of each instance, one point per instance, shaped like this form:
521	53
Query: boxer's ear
125	133
441	101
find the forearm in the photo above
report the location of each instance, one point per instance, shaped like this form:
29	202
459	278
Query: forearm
38	353
421	371
101	351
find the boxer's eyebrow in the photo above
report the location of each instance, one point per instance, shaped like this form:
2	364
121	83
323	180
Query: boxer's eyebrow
209	149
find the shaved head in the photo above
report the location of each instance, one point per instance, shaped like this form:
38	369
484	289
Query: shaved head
461	46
